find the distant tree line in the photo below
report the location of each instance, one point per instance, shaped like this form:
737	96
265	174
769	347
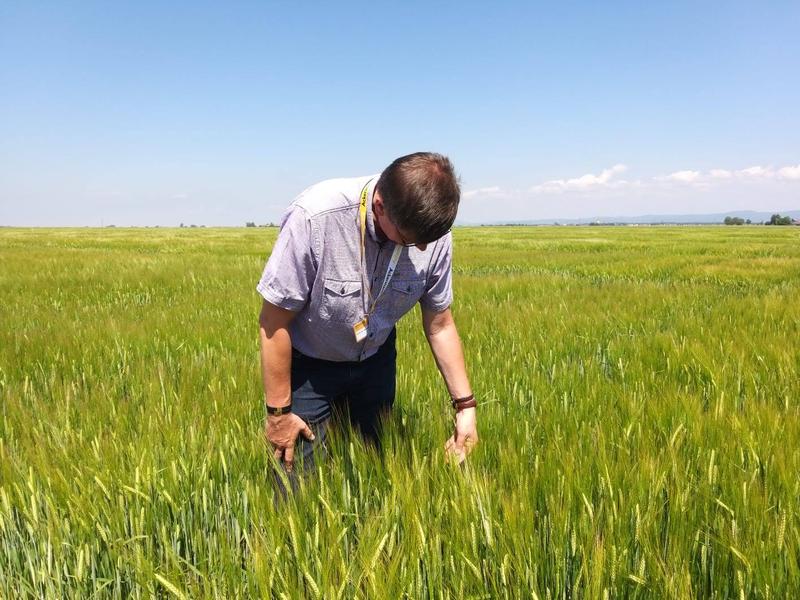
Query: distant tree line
775	219
735	221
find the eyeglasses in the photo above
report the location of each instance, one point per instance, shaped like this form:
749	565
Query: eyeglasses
403	241
406	244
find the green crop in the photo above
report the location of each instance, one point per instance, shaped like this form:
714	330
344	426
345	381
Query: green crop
639	405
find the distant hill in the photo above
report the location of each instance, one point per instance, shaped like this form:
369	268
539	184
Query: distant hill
754	216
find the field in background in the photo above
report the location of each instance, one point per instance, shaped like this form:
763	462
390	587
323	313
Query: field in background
639	406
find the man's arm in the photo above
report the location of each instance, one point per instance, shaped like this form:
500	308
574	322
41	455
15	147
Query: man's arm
276	353
276	371
440	330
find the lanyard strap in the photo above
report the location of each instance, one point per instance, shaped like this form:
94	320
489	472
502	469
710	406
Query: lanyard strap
389	272
398	249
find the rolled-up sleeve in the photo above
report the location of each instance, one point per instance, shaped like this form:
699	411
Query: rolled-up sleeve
290	270
439	286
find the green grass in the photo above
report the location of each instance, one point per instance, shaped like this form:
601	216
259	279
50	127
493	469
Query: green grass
638	420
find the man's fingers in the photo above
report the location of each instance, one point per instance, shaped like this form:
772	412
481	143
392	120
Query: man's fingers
455	455
309	435
452	451
277	453
458	446
288	458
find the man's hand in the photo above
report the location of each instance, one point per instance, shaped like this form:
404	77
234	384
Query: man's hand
464	437
282	431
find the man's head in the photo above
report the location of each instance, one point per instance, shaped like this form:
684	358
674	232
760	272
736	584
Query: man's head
419	193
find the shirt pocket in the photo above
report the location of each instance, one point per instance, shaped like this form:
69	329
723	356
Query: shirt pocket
341	301
405	293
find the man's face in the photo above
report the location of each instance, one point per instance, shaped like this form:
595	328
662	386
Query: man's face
389	229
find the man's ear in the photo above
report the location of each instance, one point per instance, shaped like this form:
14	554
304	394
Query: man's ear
377	205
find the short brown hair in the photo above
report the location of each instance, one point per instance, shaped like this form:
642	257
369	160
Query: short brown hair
421	194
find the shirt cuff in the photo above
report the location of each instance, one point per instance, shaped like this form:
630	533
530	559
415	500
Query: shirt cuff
437	307
280	301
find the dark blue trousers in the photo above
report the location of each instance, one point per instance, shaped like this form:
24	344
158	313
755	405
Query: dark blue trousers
326	392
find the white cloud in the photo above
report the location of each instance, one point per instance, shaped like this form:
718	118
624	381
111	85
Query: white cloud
688	188
683	176
756	171
790	172
485	191
584	182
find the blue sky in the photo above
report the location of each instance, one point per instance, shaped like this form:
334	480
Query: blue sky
161	113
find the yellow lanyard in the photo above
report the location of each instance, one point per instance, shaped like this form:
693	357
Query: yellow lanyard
398	249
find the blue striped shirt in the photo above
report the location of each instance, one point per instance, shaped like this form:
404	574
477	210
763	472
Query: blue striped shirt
315	269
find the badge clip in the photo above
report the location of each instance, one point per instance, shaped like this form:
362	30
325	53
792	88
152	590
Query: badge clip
360	330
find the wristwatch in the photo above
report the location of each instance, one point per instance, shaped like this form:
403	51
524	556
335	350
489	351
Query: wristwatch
279	410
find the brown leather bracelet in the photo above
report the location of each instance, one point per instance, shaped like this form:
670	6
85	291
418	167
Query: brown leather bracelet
468	404
465	402
279	410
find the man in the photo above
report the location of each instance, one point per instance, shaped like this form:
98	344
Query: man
352	257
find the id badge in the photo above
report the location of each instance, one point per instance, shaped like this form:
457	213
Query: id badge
360	330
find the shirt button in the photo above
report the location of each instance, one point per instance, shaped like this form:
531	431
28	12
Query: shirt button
342	290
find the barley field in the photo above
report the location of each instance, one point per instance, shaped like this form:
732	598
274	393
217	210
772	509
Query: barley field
639	405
